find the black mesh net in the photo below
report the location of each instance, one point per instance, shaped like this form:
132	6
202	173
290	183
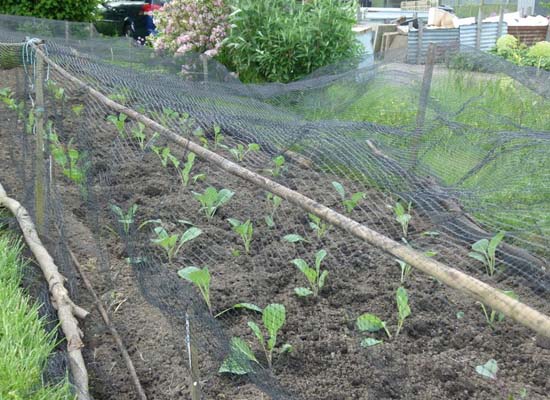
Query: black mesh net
435	157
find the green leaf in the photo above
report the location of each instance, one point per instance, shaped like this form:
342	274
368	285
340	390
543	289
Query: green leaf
477	256
369	323
402	303
356	197
238	360
286	348
253	147
200	277
481	246
257	331
322	279
274	317
224	196
319	257
293	238
488	370
495	241
368	342
269	221
303	292
190	234
234	222
248	306
340	189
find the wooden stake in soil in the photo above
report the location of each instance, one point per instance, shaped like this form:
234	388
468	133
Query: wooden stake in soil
454	278
67	311
39	171
193	362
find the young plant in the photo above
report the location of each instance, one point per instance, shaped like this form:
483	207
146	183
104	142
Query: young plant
68	158
484	251
403	216
406	270
199	133
493	317
139	134
239	151
218	137
201	279
244	229
294	238
119	122
489	369
273	317
57	91
211	200
6	96
172	243
275	202
350	203
77	109
315	277
186	170
318	225
278	163
126	219
165	156
403	309
371	323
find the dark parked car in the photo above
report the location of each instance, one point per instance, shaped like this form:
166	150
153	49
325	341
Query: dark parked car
131	18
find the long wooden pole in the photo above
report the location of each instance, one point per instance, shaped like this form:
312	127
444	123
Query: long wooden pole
67	311
454	278
39	171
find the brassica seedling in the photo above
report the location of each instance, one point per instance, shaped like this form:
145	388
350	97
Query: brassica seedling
186	170
406	270
218	137
493	317
403	309
318	225
211	200
489	369
118	122
278	163
245	306
273	317
199	133
238	360
294	238
164	154
350	203
126	219
7	98
274	201
244	229
200	278
371	323
68	158
172	243
368	342
199	177
239	151
139	134
315	277
403	216
77	109
484	251
58	92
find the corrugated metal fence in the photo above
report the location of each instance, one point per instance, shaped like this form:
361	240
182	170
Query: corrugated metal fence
451	39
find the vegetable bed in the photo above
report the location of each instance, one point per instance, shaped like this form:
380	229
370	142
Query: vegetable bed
441	344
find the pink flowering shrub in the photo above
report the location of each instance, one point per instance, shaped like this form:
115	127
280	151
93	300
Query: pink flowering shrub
191	25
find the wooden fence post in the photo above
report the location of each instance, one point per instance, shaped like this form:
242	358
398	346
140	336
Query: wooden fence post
39	171
193	362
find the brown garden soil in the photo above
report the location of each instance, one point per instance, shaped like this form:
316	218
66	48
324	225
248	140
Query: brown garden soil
434	357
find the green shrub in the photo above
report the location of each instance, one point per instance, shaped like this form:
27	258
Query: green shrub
506	45
72	10
283	40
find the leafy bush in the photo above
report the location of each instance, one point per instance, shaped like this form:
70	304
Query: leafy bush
506	45
282	40
198	25
72	10
537	55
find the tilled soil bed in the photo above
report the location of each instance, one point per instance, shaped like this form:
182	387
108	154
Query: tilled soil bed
434	356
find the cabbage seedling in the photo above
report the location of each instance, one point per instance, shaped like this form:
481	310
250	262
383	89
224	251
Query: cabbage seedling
211	200
273	317
126	219
318	225
294	238
406	270
493	317
218	137
278	163
77	109
402	216
274	201
484	251
239	151
315	277
118	122
186	170
403	309
173	243
371	323
489	369
244	229
240	355
201	279
139	134
350	203
165	156
199	133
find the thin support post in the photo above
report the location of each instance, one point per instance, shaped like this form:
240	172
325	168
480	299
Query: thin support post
39	171
204	67
500	20
479	26
548	34
423	100
66	31
420	41
193	362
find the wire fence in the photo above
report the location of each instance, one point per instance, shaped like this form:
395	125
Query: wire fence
424	161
